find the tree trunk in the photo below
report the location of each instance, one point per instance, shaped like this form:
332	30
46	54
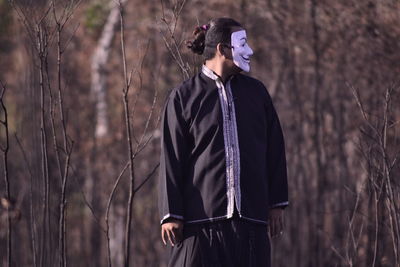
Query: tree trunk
99	73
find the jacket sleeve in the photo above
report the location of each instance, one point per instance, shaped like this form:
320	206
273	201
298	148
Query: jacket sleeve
172	160
276	160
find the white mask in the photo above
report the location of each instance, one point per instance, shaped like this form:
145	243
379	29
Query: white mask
241	51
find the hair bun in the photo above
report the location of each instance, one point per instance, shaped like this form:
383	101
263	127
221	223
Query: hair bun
197	44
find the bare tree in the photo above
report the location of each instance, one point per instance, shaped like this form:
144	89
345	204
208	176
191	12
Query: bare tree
381	161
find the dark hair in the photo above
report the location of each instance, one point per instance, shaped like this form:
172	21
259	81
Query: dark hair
207	37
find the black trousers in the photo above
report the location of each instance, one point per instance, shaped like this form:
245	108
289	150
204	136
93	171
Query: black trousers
227	243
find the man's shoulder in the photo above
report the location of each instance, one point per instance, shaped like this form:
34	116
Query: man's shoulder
184	89
256	85
250	80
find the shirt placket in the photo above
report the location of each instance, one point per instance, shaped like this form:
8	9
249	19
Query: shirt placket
235	147
228	147
231	149
230	142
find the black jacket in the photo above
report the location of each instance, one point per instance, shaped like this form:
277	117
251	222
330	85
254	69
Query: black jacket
193	182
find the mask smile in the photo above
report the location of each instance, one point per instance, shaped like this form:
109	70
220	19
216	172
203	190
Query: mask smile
241	51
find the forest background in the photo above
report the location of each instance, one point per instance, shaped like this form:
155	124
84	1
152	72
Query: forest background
82	87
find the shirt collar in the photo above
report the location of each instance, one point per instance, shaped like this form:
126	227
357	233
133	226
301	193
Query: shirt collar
211	74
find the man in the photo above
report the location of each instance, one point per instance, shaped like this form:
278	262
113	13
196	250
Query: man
223	168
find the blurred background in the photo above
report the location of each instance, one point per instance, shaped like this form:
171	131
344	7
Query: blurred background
82	93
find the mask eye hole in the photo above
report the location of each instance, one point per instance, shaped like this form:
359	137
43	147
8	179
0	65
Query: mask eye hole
243	43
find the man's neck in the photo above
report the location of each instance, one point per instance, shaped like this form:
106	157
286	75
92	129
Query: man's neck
218	68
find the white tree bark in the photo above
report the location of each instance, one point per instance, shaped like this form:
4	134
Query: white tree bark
117	235
99	63
98	69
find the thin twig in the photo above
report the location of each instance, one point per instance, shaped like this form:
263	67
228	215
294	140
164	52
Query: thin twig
33	222
5	150
147	178
108	207
128	225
